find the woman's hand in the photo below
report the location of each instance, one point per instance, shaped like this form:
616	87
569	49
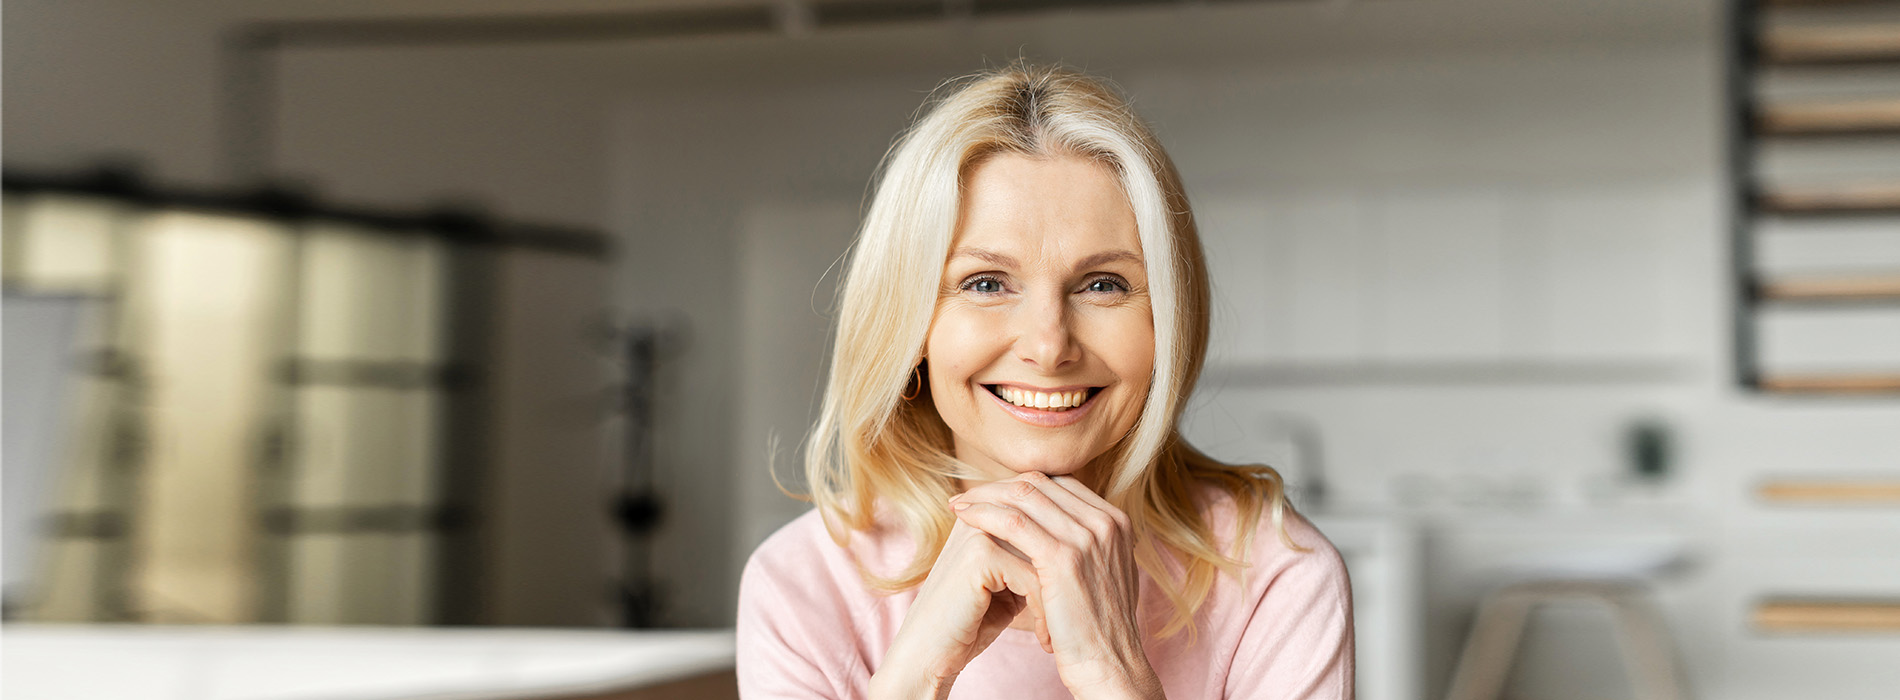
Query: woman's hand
1086	589
974	590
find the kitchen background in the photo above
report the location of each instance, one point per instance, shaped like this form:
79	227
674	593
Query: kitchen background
1476	265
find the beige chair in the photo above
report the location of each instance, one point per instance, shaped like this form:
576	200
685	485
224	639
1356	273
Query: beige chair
1502	616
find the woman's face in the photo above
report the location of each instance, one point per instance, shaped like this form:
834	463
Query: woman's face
1043	343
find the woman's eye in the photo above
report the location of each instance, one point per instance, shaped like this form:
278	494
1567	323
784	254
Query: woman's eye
1104	284
984	285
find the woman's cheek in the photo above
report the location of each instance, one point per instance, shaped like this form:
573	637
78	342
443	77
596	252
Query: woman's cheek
1125	339
1127	343
954	351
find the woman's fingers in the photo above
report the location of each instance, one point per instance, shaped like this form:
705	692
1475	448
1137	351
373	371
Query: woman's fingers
1058	512
1094	512
1012	526
1074	487
1055	523
1056	489
1062	505
1006	572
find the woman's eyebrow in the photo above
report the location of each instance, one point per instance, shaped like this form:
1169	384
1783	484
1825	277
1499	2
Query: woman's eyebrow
1098	259
1106	257
991	257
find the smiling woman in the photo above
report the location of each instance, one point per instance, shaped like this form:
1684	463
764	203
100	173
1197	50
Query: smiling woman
996	465
1043	313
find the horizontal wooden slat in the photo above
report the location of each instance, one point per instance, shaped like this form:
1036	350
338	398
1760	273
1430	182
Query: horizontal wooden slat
1861	43
1831	383
1834	492
1830	118
1856	288
1812	615
1864	198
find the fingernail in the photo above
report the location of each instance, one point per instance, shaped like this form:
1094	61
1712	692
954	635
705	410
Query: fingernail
959	506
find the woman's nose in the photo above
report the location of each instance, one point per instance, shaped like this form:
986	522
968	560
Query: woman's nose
1045	338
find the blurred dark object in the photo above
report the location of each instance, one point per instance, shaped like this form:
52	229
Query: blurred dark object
638	509
638	513
1649	446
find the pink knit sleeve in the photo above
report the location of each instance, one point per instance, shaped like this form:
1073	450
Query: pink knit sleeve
793	632
1298	642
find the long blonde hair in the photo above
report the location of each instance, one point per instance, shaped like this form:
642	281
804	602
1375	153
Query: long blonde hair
870	445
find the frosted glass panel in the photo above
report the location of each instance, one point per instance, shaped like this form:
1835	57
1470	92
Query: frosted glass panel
12	233
78	566
39	351
371	295
359	446
69	246
67	242
201	316
317	578
410	593
211	300
368	409
366	578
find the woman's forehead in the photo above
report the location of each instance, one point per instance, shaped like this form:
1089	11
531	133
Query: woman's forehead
1025	210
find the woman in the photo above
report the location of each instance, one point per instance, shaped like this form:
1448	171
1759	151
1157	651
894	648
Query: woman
1004	506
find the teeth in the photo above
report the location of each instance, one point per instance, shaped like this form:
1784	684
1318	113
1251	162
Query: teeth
1058	401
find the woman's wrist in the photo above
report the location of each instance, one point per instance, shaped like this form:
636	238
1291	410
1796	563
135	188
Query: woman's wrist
897	678
1140	685
1129	681
892	684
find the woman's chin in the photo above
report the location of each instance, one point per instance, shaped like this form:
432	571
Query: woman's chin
1050	467
1031	456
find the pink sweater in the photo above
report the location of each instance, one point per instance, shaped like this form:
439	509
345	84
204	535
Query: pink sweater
808	628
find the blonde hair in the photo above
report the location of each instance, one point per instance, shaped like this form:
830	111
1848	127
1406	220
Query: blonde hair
870	446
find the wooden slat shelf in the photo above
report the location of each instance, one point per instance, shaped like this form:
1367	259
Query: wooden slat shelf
1876	198
1831	383
1858	288
1810	615
1861	43
1863	117
1831	492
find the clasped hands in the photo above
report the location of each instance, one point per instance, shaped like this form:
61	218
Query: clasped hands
1048	546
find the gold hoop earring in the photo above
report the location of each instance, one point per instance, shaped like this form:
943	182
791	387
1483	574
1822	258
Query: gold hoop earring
916	385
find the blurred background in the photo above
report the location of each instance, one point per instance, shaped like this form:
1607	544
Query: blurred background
338	331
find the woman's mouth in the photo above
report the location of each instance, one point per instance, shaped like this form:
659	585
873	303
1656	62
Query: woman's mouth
1053	401
1056	409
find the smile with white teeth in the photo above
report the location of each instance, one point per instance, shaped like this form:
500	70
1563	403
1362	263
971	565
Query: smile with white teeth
1048	401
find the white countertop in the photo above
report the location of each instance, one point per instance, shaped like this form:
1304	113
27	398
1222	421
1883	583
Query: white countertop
126	662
